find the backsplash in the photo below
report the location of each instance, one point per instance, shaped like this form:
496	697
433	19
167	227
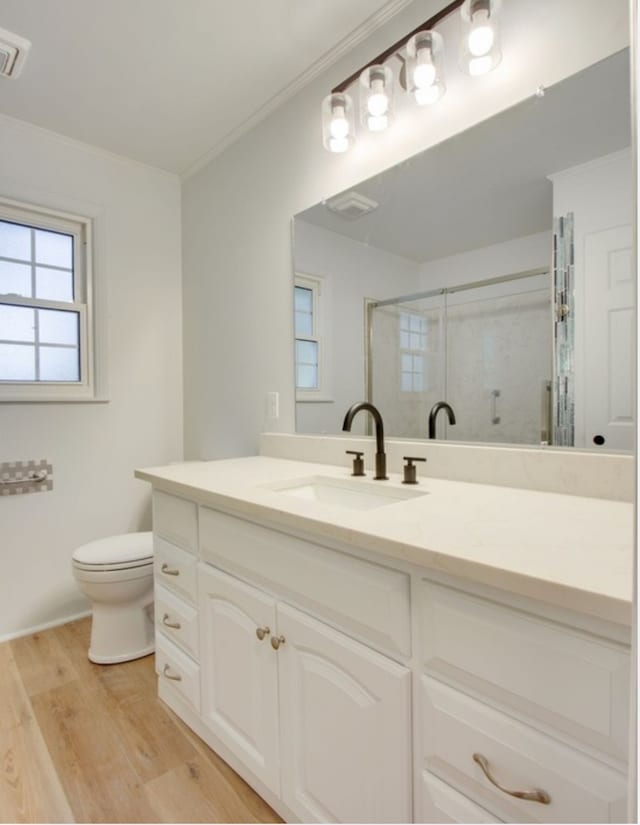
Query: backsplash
552	470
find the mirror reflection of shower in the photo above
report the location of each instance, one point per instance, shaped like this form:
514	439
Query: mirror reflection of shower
484	347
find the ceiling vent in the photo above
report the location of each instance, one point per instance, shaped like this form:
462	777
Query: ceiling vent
351	205
13	53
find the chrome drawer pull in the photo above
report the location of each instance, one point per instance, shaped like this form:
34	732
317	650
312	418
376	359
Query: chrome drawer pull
276	641
535	795
175	677
261	632
169	571
167	623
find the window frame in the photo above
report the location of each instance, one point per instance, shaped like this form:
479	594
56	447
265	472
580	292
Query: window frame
318	287
413	352
80	228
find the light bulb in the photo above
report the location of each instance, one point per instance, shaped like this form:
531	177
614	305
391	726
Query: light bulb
378	101
424	72
338	144
339	126
482	35
377	123
480	65
425	97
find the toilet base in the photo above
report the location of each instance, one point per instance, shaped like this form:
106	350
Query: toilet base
121	634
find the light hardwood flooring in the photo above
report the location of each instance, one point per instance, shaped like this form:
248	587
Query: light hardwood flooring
92	743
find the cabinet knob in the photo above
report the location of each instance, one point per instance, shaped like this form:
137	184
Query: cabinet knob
276	641
175	677
536	795
169	571
168	623
261	632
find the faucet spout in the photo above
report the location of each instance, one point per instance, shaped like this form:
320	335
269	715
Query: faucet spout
381	458
440	405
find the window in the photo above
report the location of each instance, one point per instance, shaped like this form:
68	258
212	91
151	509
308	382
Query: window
45	341
311	377
413	346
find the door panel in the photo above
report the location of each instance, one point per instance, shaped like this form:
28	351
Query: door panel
239	671
345	726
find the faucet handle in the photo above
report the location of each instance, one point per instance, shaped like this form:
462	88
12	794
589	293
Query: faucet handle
410	474
358	462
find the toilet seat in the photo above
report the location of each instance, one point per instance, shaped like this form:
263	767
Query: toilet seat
124	552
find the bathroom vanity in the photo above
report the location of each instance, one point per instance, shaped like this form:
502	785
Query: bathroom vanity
359	653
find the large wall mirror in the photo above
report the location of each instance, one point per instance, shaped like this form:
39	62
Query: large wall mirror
492	272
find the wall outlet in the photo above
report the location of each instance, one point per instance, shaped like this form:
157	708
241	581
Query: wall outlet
273	405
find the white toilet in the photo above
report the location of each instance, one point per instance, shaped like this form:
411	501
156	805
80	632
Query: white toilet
116	574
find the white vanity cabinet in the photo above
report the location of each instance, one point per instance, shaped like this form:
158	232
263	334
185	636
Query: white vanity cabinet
344	689
322	720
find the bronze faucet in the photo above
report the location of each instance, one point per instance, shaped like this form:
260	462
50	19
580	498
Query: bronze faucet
381	458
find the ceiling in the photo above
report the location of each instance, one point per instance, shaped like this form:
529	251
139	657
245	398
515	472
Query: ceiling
489	184
167	82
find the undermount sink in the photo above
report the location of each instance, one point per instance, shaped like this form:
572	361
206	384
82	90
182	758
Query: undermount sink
346	493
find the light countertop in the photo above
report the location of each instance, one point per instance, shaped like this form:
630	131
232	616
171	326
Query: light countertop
569	551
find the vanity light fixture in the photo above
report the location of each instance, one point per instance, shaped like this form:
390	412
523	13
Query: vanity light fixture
421	54
423	69
376	98
481	42
338	126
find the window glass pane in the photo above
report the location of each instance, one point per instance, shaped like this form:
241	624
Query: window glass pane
54	284
16	323
405	381
307	352
406	362
404	340
307	377
15	279
59	364
58	326
304	299
54	248
15	241
17	362
418	382
304	323
418	363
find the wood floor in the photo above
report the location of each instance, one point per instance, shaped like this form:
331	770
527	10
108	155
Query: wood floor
88	743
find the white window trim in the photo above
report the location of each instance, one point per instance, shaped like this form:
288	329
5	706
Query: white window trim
320	288
422	353
57	220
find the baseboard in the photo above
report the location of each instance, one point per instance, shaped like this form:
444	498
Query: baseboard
46	626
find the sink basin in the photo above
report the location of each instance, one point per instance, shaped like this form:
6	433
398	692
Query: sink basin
346	493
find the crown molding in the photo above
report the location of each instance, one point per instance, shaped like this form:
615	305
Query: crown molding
353	39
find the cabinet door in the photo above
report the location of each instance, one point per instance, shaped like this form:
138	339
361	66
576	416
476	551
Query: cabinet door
344	726
239	696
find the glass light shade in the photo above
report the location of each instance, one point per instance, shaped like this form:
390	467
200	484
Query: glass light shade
338	122
424	72
376	98
480	49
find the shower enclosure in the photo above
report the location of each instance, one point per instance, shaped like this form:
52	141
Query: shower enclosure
484	347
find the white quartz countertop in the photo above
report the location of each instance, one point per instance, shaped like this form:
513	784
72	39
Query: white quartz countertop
572	552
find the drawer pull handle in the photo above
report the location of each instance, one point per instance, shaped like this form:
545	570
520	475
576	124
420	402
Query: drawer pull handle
261	632
276	641
167	623
169	571
175	677
535	795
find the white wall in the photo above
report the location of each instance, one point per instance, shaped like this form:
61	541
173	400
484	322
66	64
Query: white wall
237	211
94	447
353	271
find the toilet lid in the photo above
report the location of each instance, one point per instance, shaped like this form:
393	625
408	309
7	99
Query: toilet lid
124	549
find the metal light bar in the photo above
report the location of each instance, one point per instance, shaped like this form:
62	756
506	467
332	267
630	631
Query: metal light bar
385	55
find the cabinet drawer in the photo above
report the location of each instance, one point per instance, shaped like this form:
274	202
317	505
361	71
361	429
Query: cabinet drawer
455	727
441	803
178	670
368	601
562	677
175	520
177	620
174	569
